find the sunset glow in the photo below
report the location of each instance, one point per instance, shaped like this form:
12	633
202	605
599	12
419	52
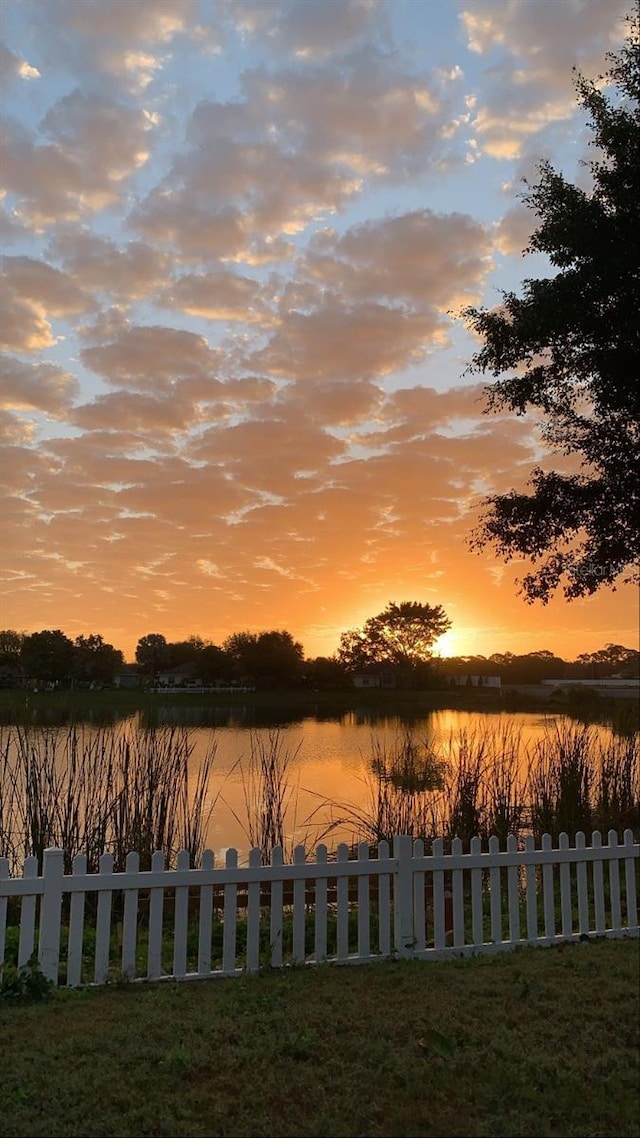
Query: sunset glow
233	389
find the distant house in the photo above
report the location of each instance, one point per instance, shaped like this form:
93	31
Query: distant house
181	677
381	677
366	680
478	681
128	678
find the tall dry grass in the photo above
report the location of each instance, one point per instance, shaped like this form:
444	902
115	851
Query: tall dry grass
100	791
400	792
489	782
270	795
95	791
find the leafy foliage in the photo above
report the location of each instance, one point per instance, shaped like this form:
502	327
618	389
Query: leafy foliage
571	347
25	985
266	659
152	652
95	660
402	635
48	656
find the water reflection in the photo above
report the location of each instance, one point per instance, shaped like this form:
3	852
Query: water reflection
333	754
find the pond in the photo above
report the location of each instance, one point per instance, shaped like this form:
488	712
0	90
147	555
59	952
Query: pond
331	761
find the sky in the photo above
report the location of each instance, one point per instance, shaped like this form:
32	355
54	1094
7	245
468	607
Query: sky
236	240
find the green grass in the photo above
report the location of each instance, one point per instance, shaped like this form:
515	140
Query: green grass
534	1042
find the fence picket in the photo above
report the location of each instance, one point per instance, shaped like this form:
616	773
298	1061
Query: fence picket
598	885
276	910
614	885
384	904
457	889
230	916
130	921
320	931
299	949
419	907
532	891
630	882
51	914
205	918
4	900
439	932
547	891
583	892
76	926
253	915
156	906
403	896
477	923
27	915
342	898
495	887
364	916
181	920
513	893
565	889
103	920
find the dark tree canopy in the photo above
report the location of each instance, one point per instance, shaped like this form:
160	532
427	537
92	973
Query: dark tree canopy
96	661
403	634
568	348
48	656
152	652
267	659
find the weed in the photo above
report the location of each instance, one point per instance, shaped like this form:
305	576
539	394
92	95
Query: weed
25	985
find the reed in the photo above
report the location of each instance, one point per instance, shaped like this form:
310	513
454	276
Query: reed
97	791
560	781
269	794
401	789
487	782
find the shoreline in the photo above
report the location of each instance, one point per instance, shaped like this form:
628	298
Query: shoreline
19	705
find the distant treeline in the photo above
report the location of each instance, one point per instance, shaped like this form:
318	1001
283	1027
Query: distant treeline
269	660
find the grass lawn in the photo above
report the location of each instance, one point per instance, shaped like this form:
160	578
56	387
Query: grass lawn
534	1042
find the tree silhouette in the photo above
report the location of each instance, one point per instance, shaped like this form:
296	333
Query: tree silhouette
403	635
570	349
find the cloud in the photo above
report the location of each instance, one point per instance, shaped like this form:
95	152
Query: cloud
432	260
40	284
96	145
13	67
42	386
267	453
129	272
297	146
305	28
122	42
220	295
151	357
513	231
338	341
531	85
23	327
15	430
372	301
136	412
32	292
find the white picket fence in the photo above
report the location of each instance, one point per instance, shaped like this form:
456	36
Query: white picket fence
351	910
